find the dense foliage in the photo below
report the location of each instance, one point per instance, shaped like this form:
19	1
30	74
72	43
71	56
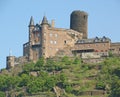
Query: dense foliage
66	73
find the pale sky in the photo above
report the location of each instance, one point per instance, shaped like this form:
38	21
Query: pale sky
103	20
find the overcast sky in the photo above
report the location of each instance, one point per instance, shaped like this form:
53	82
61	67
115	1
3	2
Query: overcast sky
103	20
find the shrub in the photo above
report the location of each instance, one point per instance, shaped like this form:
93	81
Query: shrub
100	85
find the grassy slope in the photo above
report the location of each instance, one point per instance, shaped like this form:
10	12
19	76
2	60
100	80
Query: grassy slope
83	76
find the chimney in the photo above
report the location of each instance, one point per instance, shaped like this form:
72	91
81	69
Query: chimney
52	23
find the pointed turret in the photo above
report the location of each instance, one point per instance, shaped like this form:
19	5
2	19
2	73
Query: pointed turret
31	21
44	21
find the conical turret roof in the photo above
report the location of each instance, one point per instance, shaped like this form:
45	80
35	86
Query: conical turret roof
31	21
44	21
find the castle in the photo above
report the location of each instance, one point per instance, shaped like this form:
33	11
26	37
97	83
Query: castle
47	41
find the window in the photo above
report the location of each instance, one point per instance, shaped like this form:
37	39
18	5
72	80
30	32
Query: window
84	16
56	35
65	42
51	42
56	49
55	42
44	34
96	40
50	34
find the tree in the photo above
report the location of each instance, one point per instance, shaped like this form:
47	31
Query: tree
117	72
2	94
50	82
28	67
77	60
25	79
40	63
66	60
115	89
50	65
68	87
100	85
3	85
62	77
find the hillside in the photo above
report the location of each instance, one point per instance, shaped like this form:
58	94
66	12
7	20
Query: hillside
62	77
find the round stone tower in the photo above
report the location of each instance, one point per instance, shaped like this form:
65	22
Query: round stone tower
79	22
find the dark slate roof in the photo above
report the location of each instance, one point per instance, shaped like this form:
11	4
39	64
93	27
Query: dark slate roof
37	27
31	21
44	21
94	40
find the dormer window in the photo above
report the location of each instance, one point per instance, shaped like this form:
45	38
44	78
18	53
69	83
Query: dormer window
96	39
104	39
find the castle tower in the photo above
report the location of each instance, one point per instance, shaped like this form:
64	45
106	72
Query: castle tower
31	27
44	30
10	62
79	22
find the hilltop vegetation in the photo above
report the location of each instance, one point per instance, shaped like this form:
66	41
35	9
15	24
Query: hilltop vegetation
65	77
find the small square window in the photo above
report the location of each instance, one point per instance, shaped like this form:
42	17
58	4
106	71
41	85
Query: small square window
50	34
55	42
56	35
56	49
44	34
51	42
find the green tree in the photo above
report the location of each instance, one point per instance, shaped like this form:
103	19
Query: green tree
50	65
117	72
115	88
63	77
12	82
68	87
36	85
25	79
50	82
40	63
77	61
28	67
100	85
3	84
2	94
66	60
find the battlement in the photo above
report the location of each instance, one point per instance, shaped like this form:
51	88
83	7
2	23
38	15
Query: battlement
12	61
